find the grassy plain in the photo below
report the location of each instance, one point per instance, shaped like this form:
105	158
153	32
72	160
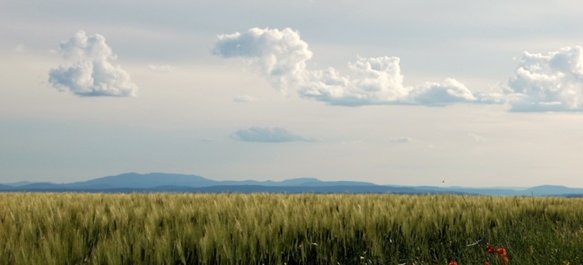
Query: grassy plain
72	228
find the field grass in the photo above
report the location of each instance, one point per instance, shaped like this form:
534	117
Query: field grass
71	228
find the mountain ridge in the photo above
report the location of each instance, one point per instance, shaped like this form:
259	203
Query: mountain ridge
168	182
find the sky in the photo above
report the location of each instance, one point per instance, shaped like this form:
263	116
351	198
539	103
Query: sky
455	92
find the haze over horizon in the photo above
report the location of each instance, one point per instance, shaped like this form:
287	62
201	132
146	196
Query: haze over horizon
473	93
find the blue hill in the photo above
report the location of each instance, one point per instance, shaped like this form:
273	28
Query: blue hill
164	182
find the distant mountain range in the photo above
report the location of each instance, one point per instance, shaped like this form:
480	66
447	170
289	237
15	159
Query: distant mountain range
163	182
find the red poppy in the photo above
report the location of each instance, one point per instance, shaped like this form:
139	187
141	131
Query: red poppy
504	259
486	263
490	249
501	251
452	263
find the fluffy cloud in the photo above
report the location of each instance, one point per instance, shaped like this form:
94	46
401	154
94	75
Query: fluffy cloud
268	135
378	81
281	56
548	82
541	82
91	69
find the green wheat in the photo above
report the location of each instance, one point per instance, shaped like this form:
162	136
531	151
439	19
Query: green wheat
72	228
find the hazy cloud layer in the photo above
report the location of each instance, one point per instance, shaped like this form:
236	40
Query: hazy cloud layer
268	135
402	140
244	99
281	56
161	68
548	82
90	69
19	48
476	137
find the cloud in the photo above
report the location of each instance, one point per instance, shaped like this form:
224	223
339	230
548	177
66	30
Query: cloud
160	68
378	81
91	69
244	99
477	138
19	48
281	56
359	141
541	82
402	140
269	135
548	82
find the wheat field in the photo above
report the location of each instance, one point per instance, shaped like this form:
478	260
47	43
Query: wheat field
75	228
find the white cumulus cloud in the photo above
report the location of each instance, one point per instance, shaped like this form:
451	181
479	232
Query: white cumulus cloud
90	69
268	135
541	82
378	81
548	82
281	56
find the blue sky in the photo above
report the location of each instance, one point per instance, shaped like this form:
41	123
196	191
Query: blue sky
473	93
